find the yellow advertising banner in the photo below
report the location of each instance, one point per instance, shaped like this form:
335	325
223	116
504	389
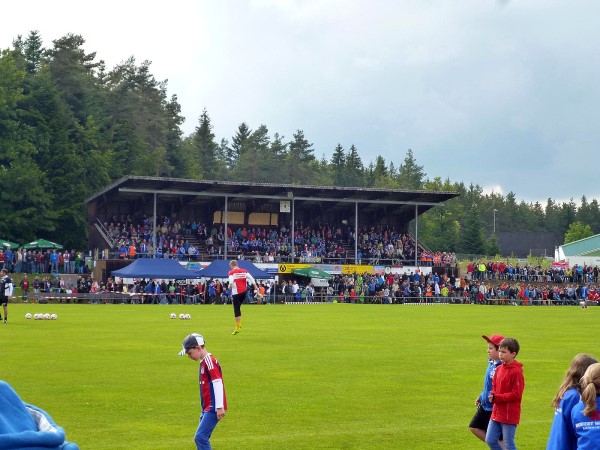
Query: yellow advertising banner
360	269
346	269
287	268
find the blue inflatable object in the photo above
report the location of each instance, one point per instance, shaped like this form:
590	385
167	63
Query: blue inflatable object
24	426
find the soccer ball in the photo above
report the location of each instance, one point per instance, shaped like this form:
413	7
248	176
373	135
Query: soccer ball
53	316
182	316
173	316
188	317
28	316
46	316
36	317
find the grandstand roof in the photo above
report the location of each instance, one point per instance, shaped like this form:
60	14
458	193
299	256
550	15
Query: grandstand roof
201	192
584	247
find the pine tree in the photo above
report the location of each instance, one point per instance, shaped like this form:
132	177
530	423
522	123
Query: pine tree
206	148
238	143
338	166
301	159
410	175
279	152
354	168
471	238
33	52
256	162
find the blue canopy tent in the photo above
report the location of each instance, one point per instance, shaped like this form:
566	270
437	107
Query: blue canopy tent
220	269
155	268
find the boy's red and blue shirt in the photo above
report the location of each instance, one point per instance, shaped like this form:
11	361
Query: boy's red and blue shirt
209	371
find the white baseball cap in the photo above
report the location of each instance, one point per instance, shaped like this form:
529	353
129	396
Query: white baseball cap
191	341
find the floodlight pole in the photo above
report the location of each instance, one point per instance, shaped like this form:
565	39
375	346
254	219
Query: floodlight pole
225	224
416	236
495	220
356	233
293	248
155	244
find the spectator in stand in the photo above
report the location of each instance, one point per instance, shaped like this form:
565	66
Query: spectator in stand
66	261
38	263
131	251
19	260
8	259
25	288
54	262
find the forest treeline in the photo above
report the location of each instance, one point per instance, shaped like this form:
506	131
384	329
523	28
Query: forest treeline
69	126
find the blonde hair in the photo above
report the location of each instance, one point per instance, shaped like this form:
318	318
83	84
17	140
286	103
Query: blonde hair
590	387
576	370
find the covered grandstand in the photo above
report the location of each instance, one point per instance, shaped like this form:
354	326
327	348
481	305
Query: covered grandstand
233	204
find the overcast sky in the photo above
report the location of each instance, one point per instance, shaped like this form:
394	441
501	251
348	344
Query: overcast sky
499	93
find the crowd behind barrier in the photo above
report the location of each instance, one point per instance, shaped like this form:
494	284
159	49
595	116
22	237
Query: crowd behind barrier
189	240
408	287
43	261
485	282
501	270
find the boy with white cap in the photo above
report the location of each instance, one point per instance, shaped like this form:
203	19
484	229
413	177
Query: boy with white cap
212	389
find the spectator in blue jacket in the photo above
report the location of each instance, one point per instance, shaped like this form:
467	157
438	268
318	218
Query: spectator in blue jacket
585	416
562	433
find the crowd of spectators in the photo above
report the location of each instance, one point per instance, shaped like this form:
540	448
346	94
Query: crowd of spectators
484	282
412	288
44	261
152	291
521	293
317	243
501	270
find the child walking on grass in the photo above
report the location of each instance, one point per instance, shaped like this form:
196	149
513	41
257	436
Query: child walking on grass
507	391
481	419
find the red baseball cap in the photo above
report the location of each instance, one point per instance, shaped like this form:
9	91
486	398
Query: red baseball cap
494	339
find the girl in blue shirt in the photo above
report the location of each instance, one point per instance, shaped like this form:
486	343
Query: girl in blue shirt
585	416
562	433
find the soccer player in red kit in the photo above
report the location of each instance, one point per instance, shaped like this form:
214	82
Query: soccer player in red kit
238	282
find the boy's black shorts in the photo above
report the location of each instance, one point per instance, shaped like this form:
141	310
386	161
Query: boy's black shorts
481	419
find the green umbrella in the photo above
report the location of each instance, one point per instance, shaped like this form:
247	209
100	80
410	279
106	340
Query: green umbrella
4	243
312	272
42	243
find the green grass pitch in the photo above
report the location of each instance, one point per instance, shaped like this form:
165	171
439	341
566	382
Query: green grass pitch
326	376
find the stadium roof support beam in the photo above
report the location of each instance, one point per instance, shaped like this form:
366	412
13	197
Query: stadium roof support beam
279	197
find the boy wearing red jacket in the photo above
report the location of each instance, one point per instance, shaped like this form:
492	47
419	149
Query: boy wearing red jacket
507	390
